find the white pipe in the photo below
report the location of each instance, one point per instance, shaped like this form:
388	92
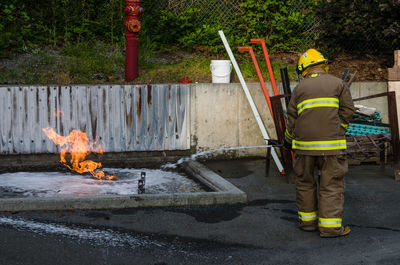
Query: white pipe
250	99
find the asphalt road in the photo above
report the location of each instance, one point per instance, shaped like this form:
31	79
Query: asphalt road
263	231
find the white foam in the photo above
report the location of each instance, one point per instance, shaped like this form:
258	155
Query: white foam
100	237
59	184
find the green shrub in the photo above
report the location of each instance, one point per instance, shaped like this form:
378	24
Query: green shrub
273	21
67	22
59	22
15	27
166	28
348	25
359	26
206	37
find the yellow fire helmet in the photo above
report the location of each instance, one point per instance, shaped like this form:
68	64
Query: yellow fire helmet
309	59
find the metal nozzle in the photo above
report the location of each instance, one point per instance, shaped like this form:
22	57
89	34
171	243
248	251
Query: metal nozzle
142	183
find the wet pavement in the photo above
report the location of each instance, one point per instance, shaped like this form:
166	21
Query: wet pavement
263	231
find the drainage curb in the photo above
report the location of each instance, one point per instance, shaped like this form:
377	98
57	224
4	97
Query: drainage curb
223	193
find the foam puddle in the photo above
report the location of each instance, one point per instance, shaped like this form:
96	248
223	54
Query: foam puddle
99	237
60	184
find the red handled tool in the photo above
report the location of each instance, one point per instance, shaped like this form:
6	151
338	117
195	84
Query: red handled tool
271	74
260	78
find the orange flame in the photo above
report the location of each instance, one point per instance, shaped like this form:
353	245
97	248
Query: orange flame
78	146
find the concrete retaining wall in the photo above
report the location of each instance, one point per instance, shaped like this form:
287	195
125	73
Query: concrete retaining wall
221	115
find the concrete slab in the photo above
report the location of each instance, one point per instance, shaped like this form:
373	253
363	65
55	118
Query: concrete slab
222	192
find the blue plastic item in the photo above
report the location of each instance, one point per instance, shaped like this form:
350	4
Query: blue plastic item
356	129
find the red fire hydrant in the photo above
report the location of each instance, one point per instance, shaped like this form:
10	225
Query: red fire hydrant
132	28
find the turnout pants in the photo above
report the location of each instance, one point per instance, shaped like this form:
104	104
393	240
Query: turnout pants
324	208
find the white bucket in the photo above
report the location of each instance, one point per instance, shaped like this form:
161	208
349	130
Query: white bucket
221	71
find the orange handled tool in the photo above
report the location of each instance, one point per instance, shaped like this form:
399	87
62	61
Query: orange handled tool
260	78
267	61
271	74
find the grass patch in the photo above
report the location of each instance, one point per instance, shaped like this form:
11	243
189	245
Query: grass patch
250	74
7	76
104	64
195	69
92	64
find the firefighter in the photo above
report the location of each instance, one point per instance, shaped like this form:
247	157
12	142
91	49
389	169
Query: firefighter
318	114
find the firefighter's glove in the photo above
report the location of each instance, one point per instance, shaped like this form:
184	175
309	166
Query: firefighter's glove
287	144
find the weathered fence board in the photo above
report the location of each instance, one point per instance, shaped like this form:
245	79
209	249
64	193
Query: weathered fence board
125	117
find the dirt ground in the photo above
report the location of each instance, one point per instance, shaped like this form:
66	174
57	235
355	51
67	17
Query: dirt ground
369	68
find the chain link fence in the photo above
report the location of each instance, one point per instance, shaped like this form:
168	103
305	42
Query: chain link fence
211	11
223	12
310	30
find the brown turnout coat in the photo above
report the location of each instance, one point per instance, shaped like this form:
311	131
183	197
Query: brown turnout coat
319	110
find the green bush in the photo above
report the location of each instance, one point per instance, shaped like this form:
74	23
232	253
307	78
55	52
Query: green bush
349	25
166	28
273	21
15	27
68	22
185	31
206	38
359	26
59	22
